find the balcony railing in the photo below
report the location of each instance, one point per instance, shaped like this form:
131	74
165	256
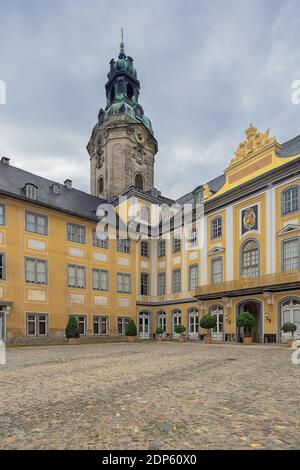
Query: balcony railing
249	282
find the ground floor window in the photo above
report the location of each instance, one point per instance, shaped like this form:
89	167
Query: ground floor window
100	325
36	324
217	332
290	312
121	324
161	321
177	320
193	316
81	322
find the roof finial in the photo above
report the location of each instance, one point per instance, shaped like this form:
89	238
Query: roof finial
122	52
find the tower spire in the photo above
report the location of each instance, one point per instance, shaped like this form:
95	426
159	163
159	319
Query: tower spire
122	51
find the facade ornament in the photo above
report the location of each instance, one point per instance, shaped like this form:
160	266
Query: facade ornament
207	192
255	141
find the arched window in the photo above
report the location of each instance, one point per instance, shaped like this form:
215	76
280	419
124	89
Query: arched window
290	200
130	90
112	94
139	182
193	316
216	227
100	185
250	259
290	312
217	311
161	321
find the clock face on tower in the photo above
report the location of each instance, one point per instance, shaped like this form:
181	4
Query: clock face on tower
139	138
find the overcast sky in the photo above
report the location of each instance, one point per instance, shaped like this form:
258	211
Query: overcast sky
207	69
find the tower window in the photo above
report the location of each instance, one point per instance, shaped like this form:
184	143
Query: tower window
112	94
130	90
100	185
139	183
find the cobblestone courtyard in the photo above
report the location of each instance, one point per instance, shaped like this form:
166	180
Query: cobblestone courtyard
151	396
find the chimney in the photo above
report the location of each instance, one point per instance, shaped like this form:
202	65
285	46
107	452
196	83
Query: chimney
5	160
68	183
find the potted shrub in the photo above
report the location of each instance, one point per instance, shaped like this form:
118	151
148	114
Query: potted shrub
72	331
159	333
289	327
180	329
246	320
130	330
208	322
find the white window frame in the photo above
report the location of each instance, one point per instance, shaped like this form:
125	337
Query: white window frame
176	281
76	233
76	277
161	284
195	278
213	274
2	214
35	224
123	281
100	284
2	266
37	322
36	262
98	319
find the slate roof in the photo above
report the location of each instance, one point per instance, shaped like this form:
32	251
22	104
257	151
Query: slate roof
291	147
72	201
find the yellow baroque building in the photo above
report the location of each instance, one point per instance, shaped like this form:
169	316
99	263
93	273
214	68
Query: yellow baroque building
238	249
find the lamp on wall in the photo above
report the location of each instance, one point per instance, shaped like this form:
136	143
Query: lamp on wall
267	317
228	319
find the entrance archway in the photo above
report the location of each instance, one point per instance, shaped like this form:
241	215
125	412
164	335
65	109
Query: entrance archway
255	307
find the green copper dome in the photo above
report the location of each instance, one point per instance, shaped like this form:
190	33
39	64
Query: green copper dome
122	91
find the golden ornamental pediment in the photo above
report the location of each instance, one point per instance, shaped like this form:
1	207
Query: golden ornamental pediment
255	141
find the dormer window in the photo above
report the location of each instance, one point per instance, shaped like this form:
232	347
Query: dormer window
56	189
31	191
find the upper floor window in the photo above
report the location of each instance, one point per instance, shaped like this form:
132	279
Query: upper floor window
161	248
176	244
139	182
76	276
193	237
176	281
36	271
144	248
124	283
161	283
144	213
99	242
290	201
100	279
36	223
56	189
123	245
291	254
144	284
216	227
193	277
250	259
217	271
2	214
2	266
31	191
75	233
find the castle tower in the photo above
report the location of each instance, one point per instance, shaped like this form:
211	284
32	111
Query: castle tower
122	146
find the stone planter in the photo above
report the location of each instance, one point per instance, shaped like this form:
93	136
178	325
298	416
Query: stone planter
207	340
247	340
290	342
181	339
159	338
73	341
131	339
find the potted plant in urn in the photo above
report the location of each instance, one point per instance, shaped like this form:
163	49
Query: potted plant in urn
180	329
208	322
130	330
246	320
289	327
159	333
72	331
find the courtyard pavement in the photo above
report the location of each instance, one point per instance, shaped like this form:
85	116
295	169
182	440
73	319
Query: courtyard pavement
150	396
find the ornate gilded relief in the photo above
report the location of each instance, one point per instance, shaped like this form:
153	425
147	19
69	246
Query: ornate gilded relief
255	141
249	219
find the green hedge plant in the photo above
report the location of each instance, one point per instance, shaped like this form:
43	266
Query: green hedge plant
130	328
289	327
245	320
72	330
208	322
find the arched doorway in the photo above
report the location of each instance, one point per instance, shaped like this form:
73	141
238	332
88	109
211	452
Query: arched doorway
256	309
176	320
193	322
290	312
144	325
161	322
217	311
